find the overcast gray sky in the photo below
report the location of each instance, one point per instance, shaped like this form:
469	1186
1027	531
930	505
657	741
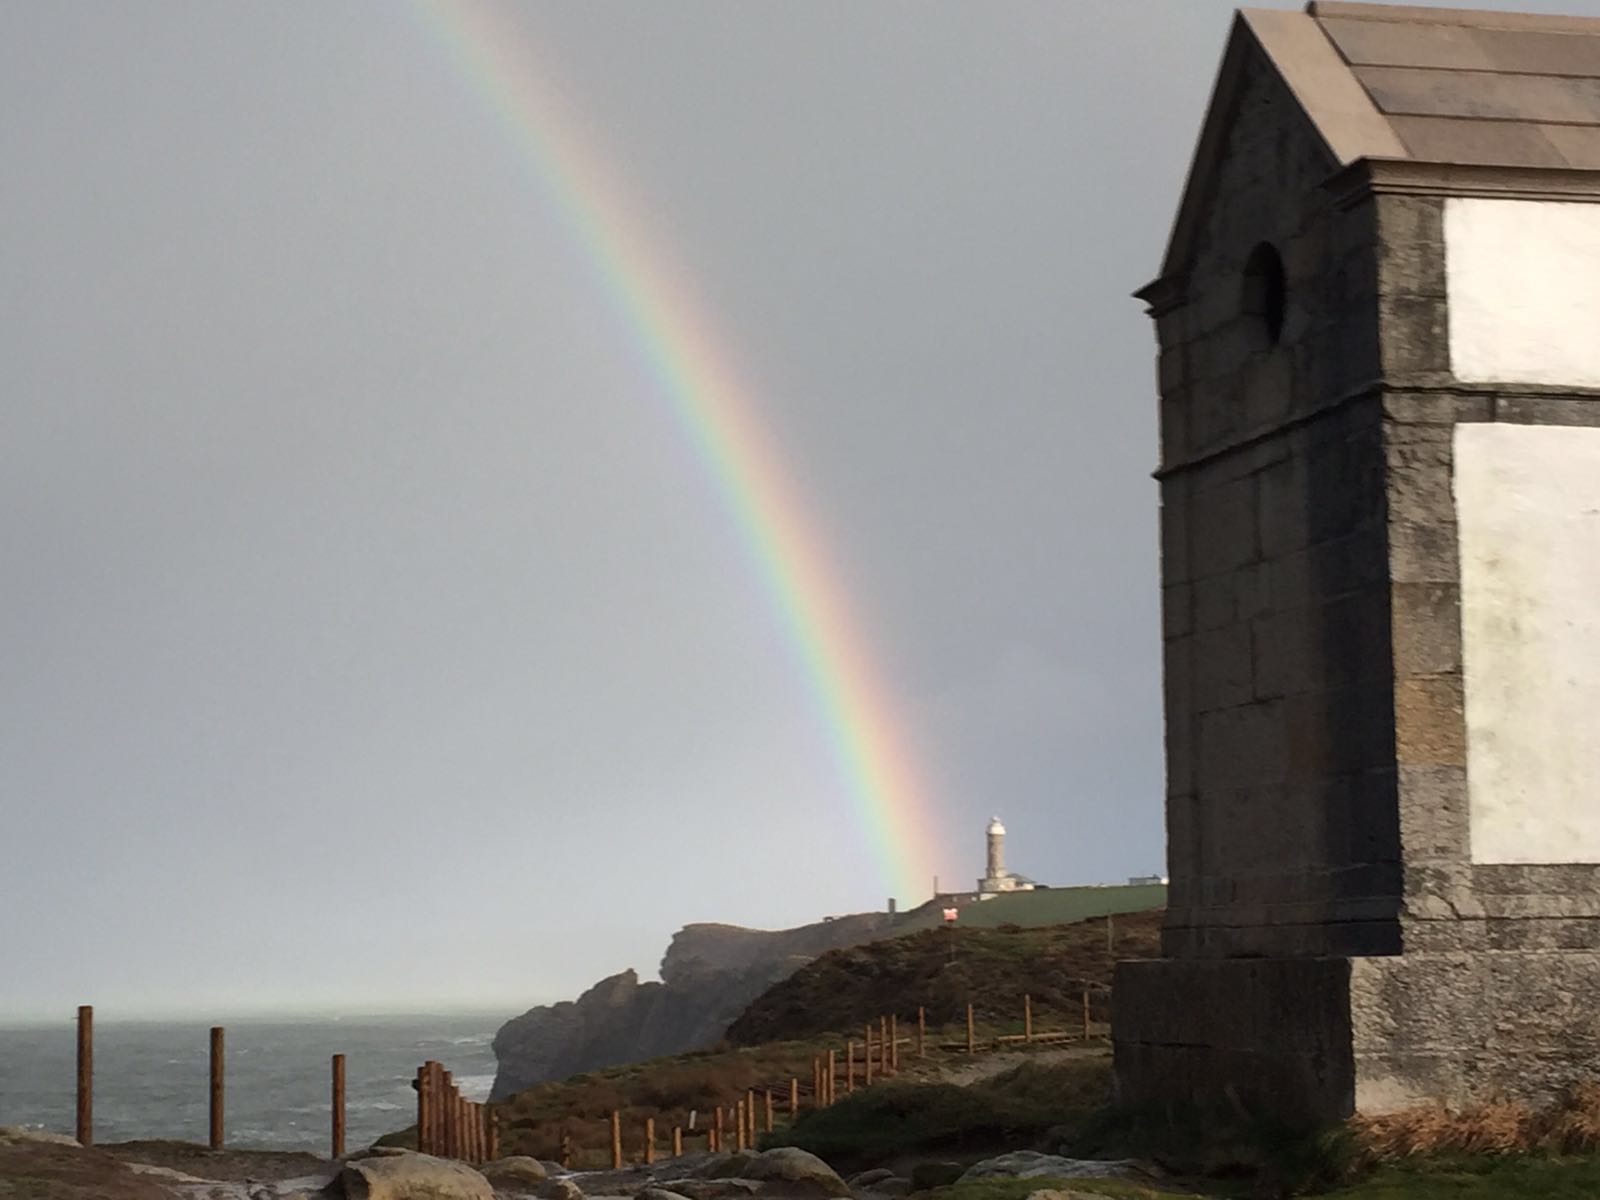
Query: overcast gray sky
373	638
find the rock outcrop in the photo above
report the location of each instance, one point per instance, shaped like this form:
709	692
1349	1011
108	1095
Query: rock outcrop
709	974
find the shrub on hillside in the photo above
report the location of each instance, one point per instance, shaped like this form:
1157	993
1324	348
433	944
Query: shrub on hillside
1019	1107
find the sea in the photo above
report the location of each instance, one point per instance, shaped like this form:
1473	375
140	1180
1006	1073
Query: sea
152	1078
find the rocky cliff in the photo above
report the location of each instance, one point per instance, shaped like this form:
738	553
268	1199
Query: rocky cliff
709	974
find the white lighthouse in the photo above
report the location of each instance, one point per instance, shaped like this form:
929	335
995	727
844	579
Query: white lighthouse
997	878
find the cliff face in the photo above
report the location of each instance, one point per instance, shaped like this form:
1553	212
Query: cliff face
709	975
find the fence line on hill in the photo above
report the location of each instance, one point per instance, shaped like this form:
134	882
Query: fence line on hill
451	1126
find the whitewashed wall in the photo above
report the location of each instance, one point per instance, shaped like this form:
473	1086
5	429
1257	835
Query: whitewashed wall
1528	504
1523	287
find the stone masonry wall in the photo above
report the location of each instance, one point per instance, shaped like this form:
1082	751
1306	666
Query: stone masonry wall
1450	904
1282	835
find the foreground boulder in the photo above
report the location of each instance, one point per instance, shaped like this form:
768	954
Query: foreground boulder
559	1189
412	1177
515	1171
712	1189
1030	1164
802	1172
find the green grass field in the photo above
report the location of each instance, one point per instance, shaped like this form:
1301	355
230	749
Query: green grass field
1062	906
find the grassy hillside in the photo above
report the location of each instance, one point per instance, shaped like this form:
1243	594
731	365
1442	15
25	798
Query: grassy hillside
942	970
1062	906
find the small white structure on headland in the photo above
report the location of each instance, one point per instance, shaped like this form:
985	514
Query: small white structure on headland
998	879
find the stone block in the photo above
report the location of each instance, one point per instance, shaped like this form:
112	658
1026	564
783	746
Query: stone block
1177	611
1242	746
1424	552
1222	668
1225	535
1413	336
1430	726
1174	526
1426	620
1550	410
1433	812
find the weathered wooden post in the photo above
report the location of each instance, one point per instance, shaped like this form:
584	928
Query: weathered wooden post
972	1045
1027	1017
794	1097
883	1046
894	1044
649	1140
450	1112
423	1086
769	1109
566	1149
922	1032
336	1106
86	1074
616	1140
438	1119
867	1057
492	1147
816	1081
677	1141
750	1115
740	1141
833	1078
849	1068
216	1088
716	1130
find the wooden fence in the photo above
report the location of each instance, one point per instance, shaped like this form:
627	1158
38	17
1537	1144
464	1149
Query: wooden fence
448	1124
451	1126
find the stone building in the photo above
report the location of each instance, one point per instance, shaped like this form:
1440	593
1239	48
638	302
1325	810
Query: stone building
1379	330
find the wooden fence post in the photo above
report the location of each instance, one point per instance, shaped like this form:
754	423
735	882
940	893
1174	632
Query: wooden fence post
794	1097
437	1117
883	1046
750	1115
492	1149
1027	1017
649	1140
677	1141
833	1078
816	1081
769	1109
716	1131
1085	1014
452	1144
86	1074
849	1068
739	1140
972	1045
867	1056
894	1044
336	1107
922	1032
616	1140
216	1088
422	1086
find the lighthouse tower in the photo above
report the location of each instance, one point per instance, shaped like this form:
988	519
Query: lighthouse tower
997	878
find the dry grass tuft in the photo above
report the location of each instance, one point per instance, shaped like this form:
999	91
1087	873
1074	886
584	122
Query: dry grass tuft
1570	1126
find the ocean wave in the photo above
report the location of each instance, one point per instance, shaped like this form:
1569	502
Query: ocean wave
475	1087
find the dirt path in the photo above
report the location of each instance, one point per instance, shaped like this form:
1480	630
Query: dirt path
964	1071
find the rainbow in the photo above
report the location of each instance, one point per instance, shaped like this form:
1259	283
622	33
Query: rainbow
718	418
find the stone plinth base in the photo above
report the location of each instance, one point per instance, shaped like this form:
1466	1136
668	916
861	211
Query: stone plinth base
1315	1040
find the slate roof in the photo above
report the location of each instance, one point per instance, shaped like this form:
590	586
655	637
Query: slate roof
1400	83
1478	88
